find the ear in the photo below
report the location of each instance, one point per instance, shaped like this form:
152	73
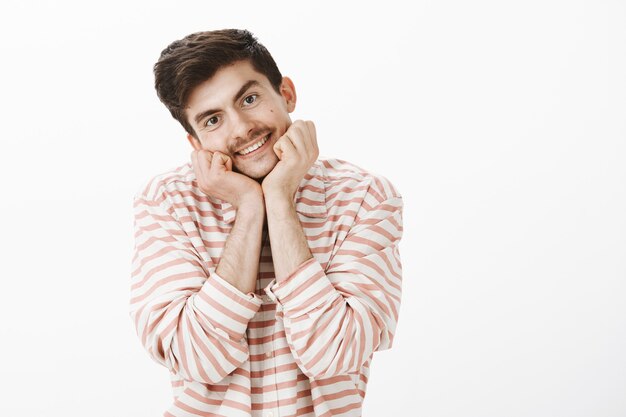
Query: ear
195	143
288	91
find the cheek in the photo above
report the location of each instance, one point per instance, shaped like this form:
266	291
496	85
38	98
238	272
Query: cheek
272	115
275	115
269	108
214	143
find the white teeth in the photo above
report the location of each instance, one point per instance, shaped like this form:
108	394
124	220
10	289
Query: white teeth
254	147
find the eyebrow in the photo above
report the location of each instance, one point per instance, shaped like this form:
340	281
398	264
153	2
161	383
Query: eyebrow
242	90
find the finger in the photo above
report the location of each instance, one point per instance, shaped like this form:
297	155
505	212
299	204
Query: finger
311	127
204	164
313	137
284	147
225	161
194	164
309	141
299	137
277	148
219	163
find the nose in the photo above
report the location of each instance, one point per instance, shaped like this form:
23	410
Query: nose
242	127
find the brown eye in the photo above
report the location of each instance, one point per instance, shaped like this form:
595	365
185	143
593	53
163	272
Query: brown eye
250	99
212	121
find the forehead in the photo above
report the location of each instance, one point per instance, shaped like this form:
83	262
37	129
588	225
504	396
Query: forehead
224	84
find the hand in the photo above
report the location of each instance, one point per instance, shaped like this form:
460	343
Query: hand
214	172
297	151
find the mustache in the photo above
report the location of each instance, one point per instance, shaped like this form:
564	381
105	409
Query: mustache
254	134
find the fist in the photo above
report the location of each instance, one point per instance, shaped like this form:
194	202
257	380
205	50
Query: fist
215	176
297	151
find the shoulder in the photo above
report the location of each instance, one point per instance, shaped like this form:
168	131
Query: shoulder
344	176
177	192
160	187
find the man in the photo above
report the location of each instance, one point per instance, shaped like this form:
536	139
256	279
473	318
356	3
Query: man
263	279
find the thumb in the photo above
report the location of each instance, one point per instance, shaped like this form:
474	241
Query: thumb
221	162
226	161
278	149
229	163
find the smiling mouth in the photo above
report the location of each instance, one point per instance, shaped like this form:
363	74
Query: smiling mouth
255	146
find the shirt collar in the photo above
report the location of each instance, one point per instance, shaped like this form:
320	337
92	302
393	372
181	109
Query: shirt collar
310	198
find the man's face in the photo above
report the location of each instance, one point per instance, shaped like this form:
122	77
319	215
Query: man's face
237	110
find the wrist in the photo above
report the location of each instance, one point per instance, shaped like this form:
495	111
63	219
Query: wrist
250	202
251	213
278	199
278	190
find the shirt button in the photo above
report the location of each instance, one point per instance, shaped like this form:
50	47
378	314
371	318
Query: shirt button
268	354
266	299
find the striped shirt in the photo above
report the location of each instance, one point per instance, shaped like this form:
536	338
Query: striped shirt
301	347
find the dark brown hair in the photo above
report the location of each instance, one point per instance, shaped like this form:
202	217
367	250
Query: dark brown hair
188	62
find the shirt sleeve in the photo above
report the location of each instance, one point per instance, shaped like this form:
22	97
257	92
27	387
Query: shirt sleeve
336	318
187	317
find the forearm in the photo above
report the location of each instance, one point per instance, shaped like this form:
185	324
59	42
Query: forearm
287	239
239	263
333	324
337	314
189	321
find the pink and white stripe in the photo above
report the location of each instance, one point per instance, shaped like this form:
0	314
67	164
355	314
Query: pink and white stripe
299	348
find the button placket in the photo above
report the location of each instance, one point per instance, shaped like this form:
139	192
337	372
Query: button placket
269	314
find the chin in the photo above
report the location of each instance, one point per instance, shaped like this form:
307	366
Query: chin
259	170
